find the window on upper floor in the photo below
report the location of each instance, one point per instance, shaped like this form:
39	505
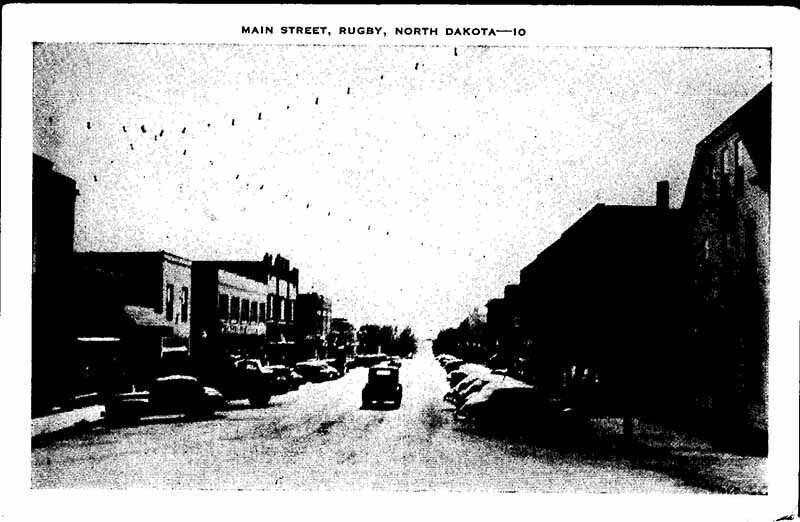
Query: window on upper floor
738	184
254	311
727	161
170	305
184	304
262	312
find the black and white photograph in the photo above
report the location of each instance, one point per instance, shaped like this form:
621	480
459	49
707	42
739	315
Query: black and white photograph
405	251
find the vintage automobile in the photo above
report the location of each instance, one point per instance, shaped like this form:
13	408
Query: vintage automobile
367	360
470	384
453	364
124	408
280	378
445	358
395	361
383	386
183	394
251	380
517	408
455	376
316	371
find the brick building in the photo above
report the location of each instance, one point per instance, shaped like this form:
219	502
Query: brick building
602	303
281	282
727	204
313	324
230	319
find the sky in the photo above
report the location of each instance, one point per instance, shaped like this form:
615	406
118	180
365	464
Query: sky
409	184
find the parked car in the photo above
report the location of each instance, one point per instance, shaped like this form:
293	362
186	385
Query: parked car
280	378
466	369
383	386
123	408
367	360
468	385
444	358
395	361
316	371
183	394
251	380
451	365
296	380
501	407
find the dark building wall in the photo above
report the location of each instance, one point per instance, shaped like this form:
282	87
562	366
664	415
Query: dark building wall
157	280
727	204
53	205
604	302
53	220
313	323
139	275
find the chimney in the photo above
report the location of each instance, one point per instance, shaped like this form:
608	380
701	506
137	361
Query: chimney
662	194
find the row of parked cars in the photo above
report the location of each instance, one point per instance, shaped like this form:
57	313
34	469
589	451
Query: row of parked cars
491	399
248	379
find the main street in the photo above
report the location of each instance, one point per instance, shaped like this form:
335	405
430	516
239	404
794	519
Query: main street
319	438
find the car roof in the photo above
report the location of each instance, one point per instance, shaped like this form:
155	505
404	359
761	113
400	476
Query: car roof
383	368
176	378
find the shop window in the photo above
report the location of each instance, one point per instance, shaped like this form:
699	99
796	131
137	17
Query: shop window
170	308
235	310
222	307
245	310
184	304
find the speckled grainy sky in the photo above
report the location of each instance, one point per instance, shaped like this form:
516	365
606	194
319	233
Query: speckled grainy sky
408	184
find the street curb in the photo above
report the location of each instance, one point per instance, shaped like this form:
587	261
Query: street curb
80	427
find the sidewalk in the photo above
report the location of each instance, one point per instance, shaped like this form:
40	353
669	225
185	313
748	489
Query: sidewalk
57	422
688	457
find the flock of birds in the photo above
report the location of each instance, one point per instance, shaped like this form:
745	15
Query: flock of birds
160	134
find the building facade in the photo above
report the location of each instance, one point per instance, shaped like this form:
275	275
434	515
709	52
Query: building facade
727	204
281	281
603	303
313	324
53	221
230	319
158	281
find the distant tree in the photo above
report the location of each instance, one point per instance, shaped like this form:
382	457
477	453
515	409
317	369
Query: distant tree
406	343
386	339
368	338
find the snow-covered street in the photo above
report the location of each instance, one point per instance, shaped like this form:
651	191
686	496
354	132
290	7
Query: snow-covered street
319	438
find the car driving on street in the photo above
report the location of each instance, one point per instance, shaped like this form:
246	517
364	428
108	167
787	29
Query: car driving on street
383	386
